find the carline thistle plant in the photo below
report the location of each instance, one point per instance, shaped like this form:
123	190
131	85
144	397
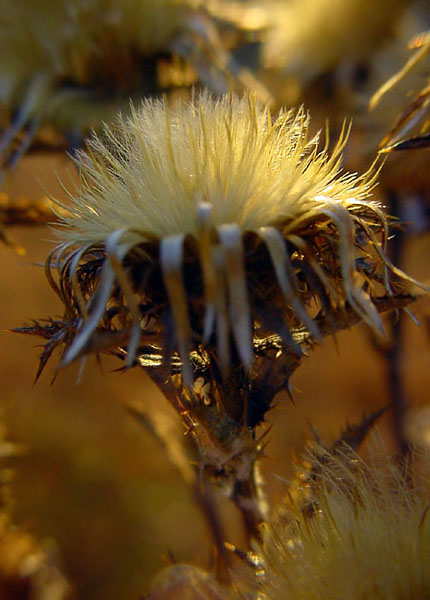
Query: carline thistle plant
212	244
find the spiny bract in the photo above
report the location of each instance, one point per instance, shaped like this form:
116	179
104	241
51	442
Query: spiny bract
244	216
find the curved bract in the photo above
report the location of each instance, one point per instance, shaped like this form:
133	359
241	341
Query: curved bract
393	107
215	222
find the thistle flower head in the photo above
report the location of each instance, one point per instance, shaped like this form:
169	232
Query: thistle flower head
67	40
369	537
216	223
73	63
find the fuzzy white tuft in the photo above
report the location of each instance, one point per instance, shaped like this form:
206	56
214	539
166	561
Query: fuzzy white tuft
152	171
369	537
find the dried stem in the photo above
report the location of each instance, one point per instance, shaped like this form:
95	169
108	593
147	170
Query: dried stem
227	455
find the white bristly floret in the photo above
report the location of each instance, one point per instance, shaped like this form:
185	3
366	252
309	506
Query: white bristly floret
368	538
152	171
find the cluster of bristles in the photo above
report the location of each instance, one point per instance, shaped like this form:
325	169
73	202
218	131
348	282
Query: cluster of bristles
367	537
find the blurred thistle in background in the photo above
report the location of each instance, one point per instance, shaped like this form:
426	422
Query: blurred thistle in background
359	531
318	52
313	37
73	65
346	528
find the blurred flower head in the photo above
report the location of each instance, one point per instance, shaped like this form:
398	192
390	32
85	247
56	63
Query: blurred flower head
74	64
367	537
209	224
311	37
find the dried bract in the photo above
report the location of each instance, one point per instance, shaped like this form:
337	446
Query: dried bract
393	108
406	93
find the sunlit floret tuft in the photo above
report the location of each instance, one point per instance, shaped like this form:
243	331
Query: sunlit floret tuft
367	537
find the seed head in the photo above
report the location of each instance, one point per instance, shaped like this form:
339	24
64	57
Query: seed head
368	538
312	37
215	222
72	64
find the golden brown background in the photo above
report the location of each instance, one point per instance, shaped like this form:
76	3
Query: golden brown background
94	480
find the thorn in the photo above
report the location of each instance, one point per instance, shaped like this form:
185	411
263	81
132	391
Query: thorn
354	435
262	448
265	433
169	557
287	388
189	429
315	434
